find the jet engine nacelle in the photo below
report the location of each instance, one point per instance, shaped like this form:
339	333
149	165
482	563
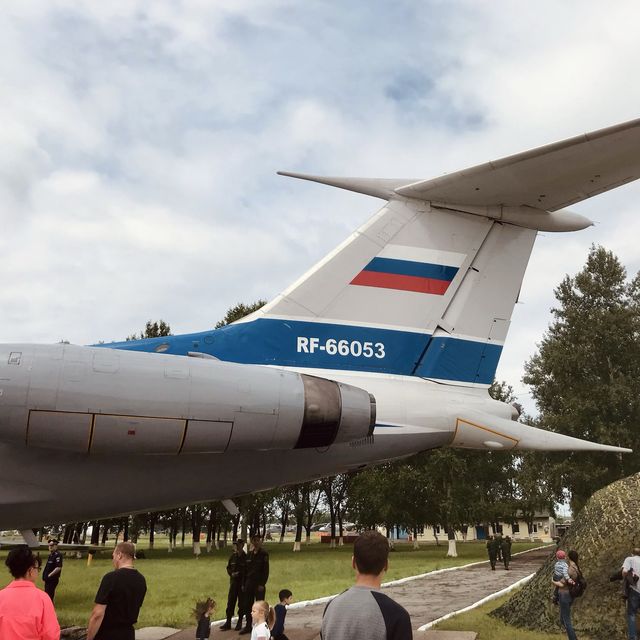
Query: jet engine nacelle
102	401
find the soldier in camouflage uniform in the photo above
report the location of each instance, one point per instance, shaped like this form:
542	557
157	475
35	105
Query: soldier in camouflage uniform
506	551
498	539
492	550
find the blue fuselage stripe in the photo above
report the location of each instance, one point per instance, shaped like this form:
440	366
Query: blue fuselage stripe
316	345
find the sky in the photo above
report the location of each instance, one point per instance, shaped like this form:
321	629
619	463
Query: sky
139	144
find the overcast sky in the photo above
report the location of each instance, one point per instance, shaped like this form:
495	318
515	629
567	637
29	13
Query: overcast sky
139	143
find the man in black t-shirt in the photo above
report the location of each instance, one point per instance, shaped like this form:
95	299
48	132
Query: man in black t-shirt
53	569
119	598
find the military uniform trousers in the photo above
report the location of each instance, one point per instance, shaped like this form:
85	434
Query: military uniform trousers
50	588
235	595
252	592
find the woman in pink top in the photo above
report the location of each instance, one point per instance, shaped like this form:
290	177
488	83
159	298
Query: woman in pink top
26	612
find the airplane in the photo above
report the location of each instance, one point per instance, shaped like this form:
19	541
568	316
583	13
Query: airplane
384	348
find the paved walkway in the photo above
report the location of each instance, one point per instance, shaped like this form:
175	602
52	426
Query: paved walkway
426	599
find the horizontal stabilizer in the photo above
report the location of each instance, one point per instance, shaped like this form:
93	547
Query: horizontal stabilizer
545	179
549	177
483	431
384	188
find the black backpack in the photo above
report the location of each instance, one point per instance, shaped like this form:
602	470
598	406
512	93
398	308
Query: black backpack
579	587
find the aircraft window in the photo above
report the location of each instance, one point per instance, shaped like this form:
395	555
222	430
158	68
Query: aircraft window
161	348
15	357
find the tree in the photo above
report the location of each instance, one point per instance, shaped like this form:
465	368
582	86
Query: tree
298	503
312	495
533	485
282	503
536	487
238	311
157	329
585	376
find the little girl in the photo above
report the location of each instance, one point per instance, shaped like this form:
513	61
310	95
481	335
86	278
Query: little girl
202	614
263	617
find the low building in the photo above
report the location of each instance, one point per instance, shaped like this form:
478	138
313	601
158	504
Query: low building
543	529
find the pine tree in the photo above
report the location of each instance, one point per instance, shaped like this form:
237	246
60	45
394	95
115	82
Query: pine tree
584	376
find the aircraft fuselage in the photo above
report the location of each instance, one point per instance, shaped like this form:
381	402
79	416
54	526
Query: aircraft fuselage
87	433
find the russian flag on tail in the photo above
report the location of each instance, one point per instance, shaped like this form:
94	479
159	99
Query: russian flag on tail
411	269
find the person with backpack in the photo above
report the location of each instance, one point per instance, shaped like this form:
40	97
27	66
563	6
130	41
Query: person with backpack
579	585
565	599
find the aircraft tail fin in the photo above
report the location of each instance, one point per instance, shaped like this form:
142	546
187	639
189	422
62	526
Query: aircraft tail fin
417	290
428	285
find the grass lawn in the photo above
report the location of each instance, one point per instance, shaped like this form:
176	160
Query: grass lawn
175	580
478	620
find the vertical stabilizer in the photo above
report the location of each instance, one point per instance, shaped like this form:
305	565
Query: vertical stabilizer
415	291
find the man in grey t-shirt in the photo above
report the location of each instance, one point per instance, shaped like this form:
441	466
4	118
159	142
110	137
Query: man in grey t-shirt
363	612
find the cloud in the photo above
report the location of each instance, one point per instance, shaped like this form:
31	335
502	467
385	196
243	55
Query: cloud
140	143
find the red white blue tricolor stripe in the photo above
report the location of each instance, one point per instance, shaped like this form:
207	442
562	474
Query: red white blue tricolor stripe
411	269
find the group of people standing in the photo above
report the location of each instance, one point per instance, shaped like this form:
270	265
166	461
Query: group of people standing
569	584
248	576
28	612
362	611
499	550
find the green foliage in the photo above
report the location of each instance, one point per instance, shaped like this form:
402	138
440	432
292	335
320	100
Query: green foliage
434	488
238	311
152	330
585	377
502	391
455	488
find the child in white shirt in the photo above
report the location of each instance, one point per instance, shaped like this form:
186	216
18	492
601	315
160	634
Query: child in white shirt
263	617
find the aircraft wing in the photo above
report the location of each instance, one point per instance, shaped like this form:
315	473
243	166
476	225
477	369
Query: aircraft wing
548	178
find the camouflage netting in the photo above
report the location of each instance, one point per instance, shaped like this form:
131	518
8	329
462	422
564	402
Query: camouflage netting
603	534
